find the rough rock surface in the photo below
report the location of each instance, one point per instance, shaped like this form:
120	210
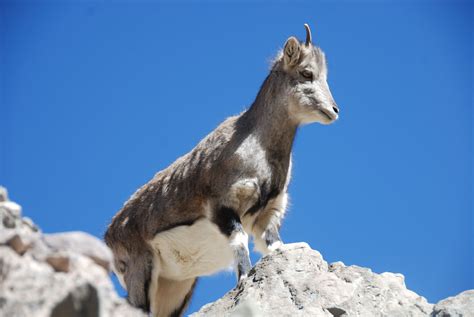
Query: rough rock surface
67	274
64	274
456	306
296	281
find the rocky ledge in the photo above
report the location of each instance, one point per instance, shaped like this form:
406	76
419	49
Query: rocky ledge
296	281
63	274
67	274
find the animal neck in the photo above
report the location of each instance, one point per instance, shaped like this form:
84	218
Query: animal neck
269	119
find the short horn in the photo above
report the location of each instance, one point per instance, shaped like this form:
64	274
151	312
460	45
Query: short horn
309	40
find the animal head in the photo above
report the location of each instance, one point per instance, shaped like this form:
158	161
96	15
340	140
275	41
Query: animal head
132	266
305	70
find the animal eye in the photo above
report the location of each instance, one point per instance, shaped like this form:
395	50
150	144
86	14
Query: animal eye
307	74
121	266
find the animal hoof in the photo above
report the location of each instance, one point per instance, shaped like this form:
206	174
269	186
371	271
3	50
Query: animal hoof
275	246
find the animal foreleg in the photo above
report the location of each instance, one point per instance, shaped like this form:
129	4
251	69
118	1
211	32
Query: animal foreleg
229	223
268	240
266	227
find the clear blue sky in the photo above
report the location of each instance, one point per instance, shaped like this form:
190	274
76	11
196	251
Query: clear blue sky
98	96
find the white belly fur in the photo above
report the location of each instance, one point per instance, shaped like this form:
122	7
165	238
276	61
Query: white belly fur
190	251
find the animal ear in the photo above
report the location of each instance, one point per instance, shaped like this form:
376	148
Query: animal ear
291	52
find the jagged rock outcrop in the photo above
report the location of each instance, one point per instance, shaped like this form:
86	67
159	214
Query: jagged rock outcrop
296	281
456	306
65	274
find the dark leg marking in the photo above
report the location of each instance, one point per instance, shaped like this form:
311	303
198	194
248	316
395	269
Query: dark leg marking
227	220
266	193
272	235
149	268
229	224
146	290
243	261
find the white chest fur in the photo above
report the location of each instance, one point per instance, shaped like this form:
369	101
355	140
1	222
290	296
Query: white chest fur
190	251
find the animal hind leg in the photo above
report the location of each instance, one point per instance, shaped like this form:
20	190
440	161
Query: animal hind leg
229	224
172	297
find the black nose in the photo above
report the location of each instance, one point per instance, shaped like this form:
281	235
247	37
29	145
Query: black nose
336	109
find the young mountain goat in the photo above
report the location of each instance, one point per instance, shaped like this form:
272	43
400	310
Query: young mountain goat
192	218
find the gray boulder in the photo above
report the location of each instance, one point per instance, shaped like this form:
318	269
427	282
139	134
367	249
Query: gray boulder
296	281
82	243
15	231
461	305
67	274
64	274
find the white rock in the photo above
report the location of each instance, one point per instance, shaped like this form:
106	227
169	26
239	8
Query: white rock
12	207
296	281
461	305
33	288
63	275
3	194
54	275
82	243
